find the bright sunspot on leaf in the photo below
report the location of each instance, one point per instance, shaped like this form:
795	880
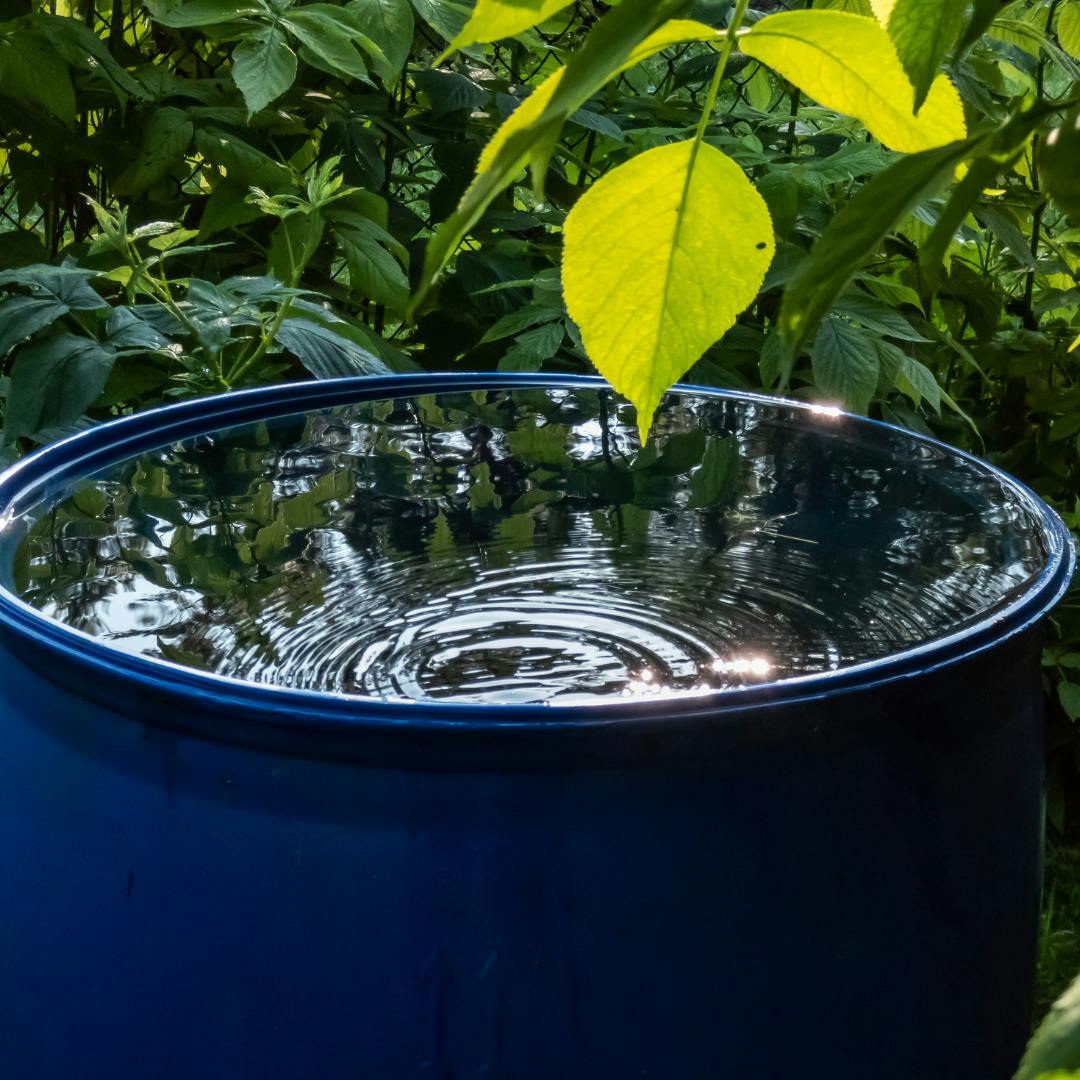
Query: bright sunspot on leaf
848	63
657	265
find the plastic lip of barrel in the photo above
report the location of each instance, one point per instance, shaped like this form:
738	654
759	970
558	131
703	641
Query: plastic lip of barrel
830	877
35	477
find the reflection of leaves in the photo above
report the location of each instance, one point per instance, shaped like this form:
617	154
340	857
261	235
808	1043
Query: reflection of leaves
544	444
678	454
271	540
714	480
441	541
482	491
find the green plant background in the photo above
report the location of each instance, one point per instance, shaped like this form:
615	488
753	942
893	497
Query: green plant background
207	194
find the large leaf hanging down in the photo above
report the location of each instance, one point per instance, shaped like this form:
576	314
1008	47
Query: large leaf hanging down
659	257
848	63
924	32
631	32
492	20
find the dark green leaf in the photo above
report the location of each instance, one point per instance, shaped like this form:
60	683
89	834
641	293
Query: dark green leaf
21	316
328	40
263	67
200	13
325	354
293	244
32	73
874	315
390	24
845	364
53	382
924	32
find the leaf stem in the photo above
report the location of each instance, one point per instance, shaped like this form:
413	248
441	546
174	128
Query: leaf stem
733	27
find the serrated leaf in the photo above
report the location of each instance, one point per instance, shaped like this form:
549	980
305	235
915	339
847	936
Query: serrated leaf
917	381
924	32
373	272
532	348
522	319
390	25
53	382
854	233
325	354
874	315
263	67
22	316
659	257
242	162
493	20
1068	27
848	64
845	364
326	37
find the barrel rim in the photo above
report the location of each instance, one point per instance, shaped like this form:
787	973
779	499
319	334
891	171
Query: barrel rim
87	451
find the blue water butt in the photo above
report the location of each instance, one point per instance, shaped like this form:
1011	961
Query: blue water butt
430	726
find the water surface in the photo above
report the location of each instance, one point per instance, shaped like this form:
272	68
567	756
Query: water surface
520	546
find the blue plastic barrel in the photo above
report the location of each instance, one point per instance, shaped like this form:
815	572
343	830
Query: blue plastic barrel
833	875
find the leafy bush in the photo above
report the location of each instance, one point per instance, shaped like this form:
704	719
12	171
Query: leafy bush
866	201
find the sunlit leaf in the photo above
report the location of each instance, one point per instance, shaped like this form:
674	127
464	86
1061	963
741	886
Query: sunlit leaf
659	258
1068	27
848	64
492	20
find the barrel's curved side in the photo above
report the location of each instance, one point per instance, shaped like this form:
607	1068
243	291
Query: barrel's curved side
859	896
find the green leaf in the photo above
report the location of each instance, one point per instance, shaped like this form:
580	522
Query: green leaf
874	315
373	272
848	64
200	13
32	73
1056	1043
82	48
1058	156
1068	27
293	244
446	17
242	162
390	25
520	319
845	364
1069	696
917	381
493	20
983	13
924	31
328	40
21	316
165	138
324	353
659	257
855	232
53	382
66	283
533	347
263	67
714	480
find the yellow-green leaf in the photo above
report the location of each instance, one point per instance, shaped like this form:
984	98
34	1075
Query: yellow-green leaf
493	20
1068	27
848	64
532	129
659	257
923	32
882	10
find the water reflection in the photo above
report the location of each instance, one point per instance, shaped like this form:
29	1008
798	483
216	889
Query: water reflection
522	547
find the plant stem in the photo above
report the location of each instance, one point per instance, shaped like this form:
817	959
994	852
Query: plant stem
737	17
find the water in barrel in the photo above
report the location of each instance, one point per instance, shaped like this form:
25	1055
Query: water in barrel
516	546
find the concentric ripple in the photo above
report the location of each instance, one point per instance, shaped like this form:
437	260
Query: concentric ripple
522	547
